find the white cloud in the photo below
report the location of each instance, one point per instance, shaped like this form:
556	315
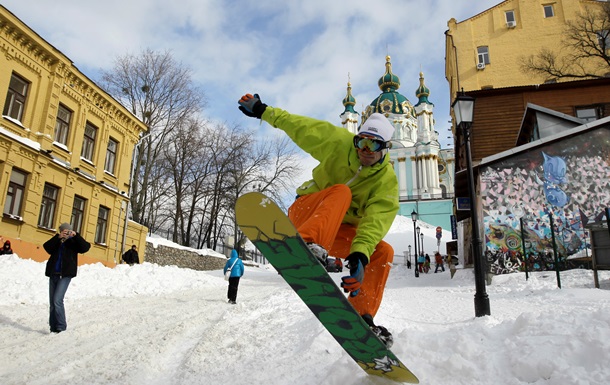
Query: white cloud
297	55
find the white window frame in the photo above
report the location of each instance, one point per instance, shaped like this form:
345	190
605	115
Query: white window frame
15	97
62	125
102	225
78	213
48	206
16	192
483	54
111	152
603	38
549	10
89	142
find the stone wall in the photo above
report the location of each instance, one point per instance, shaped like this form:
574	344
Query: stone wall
168	256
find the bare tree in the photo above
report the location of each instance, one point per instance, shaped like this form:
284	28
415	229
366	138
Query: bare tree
185	157
161	92
270	168
584	51
188	172
231	149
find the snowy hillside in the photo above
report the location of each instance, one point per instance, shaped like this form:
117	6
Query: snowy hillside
148	324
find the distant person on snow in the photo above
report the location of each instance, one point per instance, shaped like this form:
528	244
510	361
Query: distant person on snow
236	266
6	249
438	259
421	261
131	255
61	268
427	264
351	202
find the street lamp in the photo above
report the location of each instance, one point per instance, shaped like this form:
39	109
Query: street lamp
463	108
414	218
421	245
418	247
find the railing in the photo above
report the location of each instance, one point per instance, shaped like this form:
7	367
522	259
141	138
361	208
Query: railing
425	196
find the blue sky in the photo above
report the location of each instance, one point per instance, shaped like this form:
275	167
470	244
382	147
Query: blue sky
295	54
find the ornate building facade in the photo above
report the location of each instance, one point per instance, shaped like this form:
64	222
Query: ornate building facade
66	149
424	170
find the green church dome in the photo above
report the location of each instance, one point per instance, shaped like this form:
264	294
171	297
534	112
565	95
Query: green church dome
422	92
390	101
349	101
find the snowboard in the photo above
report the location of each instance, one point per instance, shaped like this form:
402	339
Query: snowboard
274	235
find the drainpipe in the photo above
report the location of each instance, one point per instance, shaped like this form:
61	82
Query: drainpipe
131	182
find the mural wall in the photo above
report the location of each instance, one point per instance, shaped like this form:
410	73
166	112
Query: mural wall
568	181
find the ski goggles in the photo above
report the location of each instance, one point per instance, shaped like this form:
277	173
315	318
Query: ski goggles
370	144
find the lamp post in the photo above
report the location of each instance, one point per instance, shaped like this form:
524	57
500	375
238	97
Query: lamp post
421	244
414	218
409	257
463	108
419	250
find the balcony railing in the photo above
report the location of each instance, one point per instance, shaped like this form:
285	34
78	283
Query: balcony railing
425	196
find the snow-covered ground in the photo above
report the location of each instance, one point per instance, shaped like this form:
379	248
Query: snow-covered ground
148	324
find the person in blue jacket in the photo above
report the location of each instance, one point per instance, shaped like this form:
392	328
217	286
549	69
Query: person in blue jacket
237	270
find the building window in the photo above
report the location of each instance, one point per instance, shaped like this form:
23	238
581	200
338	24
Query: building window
603	38
78	213
483	55
15	193
62	125
548	10
15	97
588	113
48	205
510	17
89	141
102	225
111	155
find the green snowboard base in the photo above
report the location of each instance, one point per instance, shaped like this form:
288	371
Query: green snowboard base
266	225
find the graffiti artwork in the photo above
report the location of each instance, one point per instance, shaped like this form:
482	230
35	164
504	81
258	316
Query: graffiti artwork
568	181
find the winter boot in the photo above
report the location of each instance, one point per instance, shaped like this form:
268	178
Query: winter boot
381	332
319	252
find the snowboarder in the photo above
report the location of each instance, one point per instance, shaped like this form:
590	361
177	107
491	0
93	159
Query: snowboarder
351	202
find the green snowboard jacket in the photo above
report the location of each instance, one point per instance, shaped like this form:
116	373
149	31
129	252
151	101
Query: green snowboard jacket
374	189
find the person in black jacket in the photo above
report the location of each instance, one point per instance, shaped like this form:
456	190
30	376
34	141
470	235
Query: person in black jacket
6	249
131	256
61	268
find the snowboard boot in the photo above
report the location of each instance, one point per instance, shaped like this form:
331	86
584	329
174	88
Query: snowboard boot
381	332
319	252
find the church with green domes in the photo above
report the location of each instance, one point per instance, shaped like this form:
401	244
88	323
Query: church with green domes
425	172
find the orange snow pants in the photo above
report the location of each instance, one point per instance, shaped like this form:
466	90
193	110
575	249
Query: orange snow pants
318	218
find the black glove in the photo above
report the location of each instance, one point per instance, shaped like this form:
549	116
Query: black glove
252	106
353	259
352	283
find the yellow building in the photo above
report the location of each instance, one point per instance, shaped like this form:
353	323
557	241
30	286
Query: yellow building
486	50
66	148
